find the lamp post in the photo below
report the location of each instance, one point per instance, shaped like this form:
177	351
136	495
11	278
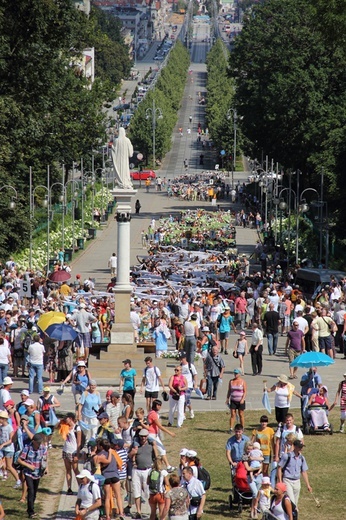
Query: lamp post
12	203
235	118
283	207
47	204
155	113
74	194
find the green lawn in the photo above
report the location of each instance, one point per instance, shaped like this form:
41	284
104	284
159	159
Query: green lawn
207	434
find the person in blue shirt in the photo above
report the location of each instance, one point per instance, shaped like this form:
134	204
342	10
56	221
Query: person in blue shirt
127	379
235	446
309	383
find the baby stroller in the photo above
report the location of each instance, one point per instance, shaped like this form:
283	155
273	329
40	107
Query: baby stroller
241	490
311	412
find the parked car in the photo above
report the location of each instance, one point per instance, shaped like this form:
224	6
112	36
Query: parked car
143	175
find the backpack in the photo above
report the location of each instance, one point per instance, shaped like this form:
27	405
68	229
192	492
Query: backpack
155	371
27	340
154	480
204	476
45	407
283	503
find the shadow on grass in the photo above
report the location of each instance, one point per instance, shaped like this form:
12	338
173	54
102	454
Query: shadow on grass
210	430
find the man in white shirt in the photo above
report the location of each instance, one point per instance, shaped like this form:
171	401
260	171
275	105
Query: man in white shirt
302	322
135	321
88	497
35	363
196	493
151	381
113	263
184	308
256	350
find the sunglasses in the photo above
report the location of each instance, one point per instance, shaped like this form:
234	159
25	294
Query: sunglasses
176	370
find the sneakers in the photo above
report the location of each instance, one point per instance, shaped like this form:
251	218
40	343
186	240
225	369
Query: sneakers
5	476
50	445
226	352
137	515
192	414
17	485
170	469
341	429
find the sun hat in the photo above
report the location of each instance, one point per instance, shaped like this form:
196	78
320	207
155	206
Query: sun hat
29	402
183	452
257	445
9	403
143	433
3	414
242	333
205	329
265	480
86	474
7	381
25	392
236	371
283	378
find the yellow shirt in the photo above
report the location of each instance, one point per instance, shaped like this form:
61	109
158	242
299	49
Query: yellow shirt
265	438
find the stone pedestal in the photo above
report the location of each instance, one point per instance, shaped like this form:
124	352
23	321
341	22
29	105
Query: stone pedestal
122	336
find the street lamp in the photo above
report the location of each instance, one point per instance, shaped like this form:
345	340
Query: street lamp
154	113
235	118
74	194
47	204
283	207
12	203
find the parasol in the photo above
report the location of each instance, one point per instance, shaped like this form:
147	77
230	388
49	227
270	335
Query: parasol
59	276
50	318
61	331
312	359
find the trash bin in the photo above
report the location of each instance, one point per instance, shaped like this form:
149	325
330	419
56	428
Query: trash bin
68	255
92	232
105	216
80	243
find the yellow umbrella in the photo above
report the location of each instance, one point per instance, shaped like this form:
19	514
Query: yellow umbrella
50	318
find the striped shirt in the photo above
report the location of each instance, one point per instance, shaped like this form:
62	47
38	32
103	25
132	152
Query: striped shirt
35	458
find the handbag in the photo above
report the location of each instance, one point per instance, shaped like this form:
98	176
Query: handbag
235	354
53	420
203	386
175	397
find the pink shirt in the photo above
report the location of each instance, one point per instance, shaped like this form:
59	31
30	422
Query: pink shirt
241	304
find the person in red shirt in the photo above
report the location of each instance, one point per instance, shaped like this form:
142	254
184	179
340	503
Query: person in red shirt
240	309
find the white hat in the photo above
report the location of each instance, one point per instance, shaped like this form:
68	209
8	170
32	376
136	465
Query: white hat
191	454
257	445
183	452
7	381
81	364
29	402
25	392
205	329
82	305
85	473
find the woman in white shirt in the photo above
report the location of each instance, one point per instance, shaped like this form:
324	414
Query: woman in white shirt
35	364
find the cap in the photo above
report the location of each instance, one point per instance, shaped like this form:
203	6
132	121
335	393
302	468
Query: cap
119	442
81	364
86	474
46	389
29	402
115	394
143	433
298	444
182	354
257	445
183	452
9	403
265	480
3	414
24	417
92	443
127	361
205	329
242	333
82	305
323	386
236	371
7	381
109	392
281	486
103	415
191	454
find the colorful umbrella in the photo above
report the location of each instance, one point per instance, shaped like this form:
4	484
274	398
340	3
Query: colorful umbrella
61	331
59	276
50	318
312	359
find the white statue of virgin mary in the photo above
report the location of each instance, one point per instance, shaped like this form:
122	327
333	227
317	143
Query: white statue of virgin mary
122	150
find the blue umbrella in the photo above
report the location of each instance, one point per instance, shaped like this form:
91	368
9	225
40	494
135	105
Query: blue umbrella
62	332
312	359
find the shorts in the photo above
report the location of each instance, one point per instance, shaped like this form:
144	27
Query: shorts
152	395
68	456
6	454
224	335
266	459
188	393
292	354
343	414
112	480
236	405
158	498
287	320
